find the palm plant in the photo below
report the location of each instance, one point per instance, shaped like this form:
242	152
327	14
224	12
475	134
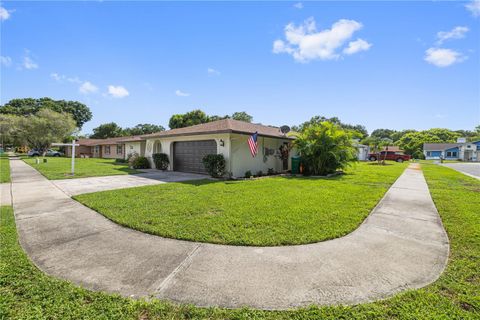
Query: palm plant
325	148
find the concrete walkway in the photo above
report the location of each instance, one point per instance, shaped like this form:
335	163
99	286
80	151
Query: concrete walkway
401	245
470	169
94	184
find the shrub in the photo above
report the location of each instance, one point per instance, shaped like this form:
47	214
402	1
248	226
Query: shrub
325	147
248	174
214	164
259	173
121	160
161	161
270	171
141	163
137	162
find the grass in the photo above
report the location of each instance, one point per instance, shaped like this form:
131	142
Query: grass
265	212
27	293
59	168
4	169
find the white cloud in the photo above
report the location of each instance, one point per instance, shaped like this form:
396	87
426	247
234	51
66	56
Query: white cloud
4	14
443	57
117	91
5	61
28	63
88	87
181	93
357	46
455	33
57	77
305	43
298	5
213	72
474	7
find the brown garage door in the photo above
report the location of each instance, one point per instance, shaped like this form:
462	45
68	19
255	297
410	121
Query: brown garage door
188	155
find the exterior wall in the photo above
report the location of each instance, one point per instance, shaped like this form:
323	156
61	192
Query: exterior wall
235	150
433	155
113	152
79	151
451	154
241	159
134	147
362	153
165	145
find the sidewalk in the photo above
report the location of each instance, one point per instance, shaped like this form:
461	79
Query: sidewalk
401	245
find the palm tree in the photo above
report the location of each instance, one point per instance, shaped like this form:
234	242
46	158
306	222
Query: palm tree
325	147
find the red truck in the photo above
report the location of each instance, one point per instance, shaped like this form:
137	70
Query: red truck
391	155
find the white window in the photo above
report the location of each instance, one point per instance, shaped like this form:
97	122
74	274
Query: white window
119	149
107	149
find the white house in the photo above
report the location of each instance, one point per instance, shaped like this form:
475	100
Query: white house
187	146
465	151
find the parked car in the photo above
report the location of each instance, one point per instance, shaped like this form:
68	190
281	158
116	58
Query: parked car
391	155
49	153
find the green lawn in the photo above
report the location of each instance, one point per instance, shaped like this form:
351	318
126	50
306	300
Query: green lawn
4	169
266	212
27	293
59	167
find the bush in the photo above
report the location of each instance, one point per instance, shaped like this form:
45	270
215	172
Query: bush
214	164
270	171
141	163
137	162
121	161
259	173
248	174
161	161
324	148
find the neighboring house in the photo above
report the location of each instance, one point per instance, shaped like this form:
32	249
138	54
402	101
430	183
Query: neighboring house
362	150
110	148
464	151
84	148
186	147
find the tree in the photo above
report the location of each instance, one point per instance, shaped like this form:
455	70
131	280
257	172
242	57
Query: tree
357	131
412	143
377	144
188	119
242	116
325	147
8	129
397	135
107	130
29	106
140	129
382	133
41	129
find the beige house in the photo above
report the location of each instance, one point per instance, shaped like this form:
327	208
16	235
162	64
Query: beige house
186	147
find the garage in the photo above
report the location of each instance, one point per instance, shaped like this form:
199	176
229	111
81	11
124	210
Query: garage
188	155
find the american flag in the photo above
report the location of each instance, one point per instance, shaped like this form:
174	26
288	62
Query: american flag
252	144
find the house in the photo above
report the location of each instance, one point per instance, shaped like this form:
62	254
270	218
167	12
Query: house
186	147
84	148
362	150
110	148
132	145
393	149
464	151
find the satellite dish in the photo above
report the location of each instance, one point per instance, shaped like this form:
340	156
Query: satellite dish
285	129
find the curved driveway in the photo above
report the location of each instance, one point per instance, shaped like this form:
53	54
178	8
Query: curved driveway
401	245
471	169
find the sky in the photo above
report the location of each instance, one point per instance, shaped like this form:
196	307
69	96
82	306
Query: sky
394	65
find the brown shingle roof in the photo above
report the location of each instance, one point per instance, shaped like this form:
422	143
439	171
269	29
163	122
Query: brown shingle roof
393	148
221	126
439	146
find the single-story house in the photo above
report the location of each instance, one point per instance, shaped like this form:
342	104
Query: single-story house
84	148
187	146
464	151
110	148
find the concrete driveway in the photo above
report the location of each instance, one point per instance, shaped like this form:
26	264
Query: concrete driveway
471	169
401	245
94	184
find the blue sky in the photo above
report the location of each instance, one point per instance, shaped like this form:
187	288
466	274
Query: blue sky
382	64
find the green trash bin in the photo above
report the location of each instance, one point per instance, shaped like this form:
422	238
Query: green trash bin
295	165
